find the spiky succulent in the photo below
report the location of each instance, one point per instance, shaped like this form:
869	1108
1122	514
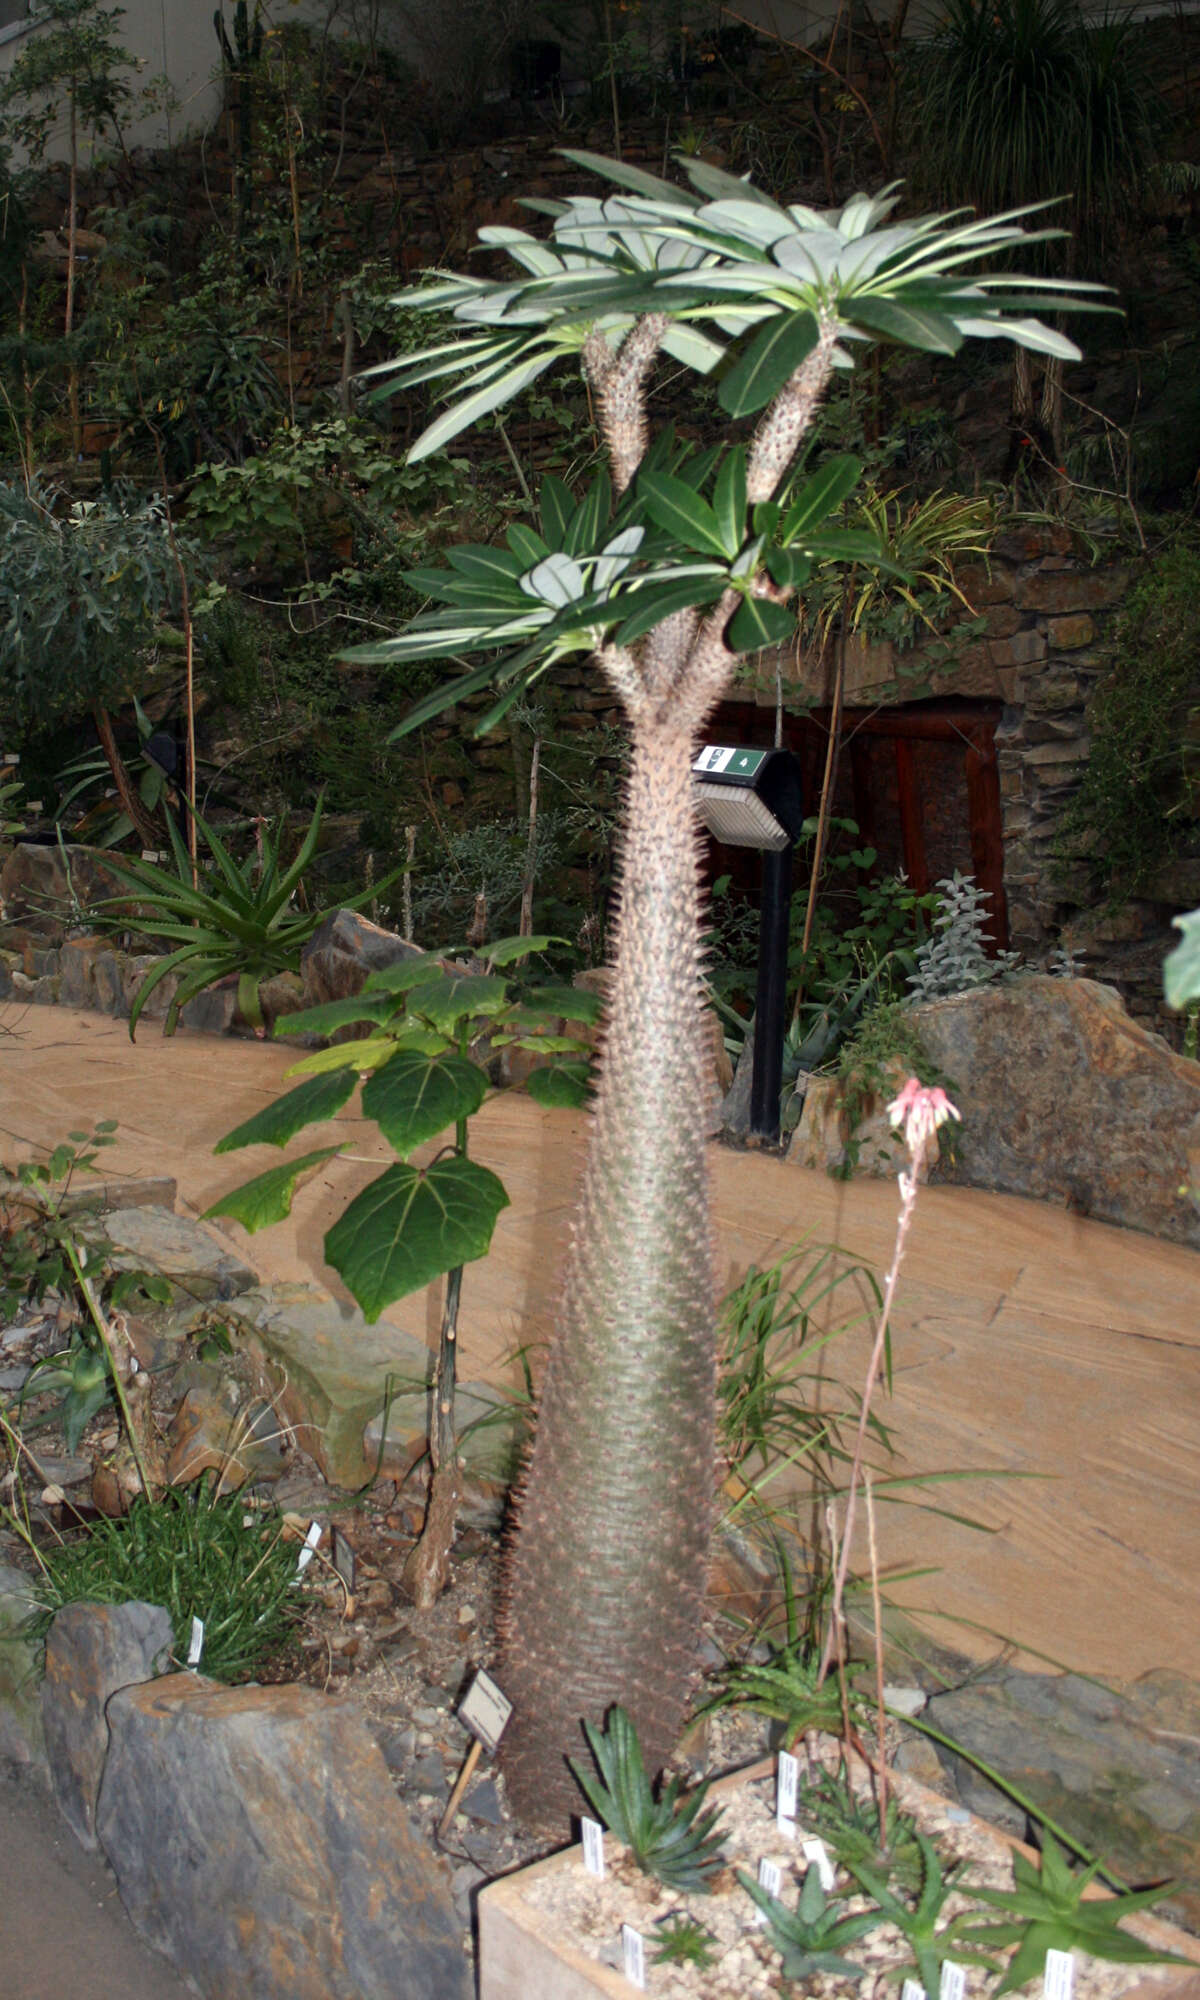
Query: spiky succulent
848	1823
1048	1913
668	1834
810	1938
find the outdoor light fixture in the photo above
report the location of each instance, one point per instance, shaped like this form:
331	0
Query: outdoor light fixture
755	798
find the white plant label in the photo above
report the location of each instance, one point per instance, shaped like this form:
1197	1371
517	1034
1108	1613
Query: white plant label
816	1854
343	1560
912	1989
770	1878
787	1827
593	1846
633	1953
1059	1977
313	1536
12	756
195	1642
787	1785
953	1983
484	1710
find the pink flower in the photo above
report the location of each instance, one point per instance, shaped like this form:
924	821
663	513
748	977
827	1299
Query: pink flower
918	1111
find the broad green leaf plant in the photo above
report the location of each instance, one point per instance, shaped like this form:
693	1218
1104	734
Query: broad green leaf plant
672	564
416	1023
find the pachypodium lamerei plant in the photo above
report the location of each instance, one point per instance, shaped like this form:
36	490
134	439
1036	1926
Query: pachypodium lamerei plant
672	565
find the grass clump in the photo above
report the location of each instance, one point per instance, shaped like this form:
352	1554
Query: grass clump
190	1553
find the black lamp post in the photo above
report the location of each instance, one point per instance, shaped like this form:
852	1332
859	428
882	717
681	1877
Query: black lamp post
755	798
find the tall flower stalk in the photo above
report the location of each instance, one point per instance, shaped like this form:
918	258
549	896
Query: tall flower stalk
671	566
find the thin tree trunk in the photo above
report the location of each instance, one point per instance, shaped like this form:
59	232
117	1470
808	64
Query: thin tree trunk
621	1439
131	805
428	1566
525	927
69	319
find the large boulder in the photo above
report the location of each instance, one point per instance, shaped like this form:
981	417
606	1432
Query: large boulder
257	1840
1065	1098
91	1651
49	885
342	951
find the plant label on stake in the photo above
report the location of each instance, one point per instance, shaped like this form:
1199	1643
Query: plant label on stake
311	1539
1059	1977
343	1560
770	1878
593	1846
633	1953
953	1983
484	1710
817	1854
912	1989
195	1642
787	1784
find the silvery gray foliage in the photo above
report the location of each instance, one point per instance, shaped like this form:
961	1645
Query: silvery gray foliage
954	958
1063	964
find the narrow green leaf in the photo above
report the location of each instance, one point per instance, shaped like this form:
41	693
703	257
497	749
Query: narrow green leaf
556	510
321	1097
653	603
907	325
729	500
821	495
500	389
763	367
268	1197
414	1097
757	623
409	1226
585	531
671	504
527	546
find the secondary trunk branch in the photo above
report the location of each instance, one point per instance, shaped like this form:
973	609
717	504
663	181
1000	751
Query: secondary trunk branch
777	439
619	381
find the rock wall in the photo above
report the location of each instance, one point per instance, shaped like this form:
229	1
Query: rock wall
1048	617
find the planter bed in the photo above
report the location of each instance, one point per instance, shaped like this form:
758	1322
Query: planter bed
553	1931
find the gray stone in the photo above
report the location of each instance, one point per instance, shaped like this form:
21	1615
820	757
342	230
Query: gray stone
1119	1767
342	951
91	1651
21	1739
328	1370
184	1251
108	984
258	1841
1065	1098
483	1803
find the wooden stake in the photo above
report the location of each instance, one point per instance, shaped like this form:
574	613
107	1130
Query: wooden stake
460	1785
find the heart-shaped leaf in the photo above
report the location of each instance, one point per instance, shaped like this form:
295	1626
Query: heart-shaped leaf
268	1197
334	1014
410	1226
415	1097
321	1097
560	1086
453	997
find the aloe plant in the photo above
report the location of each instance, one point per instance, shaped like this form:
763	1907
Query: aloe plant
667	1833
239	917
672	564
810	1938
1047	1912
931	1935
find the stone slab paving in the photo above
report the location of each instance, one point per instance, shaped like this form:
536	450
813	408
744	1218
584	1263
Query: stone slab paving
1028	1339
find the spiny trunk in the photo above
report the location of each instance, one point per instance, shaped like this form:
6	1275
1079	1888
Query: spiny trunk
606	1579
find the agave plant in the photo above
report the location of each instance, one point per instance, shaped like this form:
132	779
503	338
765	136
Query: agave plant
671	566
238	918
668	1835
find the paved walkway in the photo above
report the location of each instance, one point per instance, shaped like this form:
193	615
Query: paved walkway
1028	1341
